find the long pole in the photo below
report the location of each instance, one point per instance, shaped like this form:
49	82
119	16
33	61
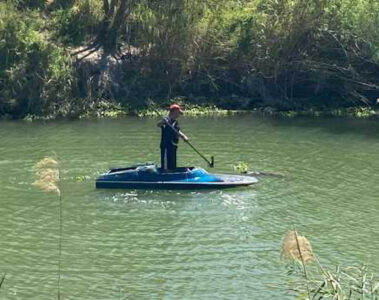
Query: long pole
210	163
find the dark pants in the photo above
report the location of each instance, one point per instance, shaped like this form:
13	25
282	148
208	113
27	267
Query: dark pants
168	158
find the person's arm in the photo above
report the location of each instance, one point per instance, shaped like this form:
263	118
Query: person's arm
180	133
183	136
162	122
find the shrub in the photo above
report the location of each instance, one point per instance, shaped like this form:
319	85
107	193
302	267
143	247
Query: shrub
78	23
35	76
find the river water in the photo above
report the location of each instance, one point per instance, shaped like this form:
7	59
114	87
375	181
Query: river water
181	244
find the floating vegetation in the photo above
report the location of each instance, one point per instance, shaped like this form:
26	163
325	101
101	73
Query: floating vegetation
82	178
243	168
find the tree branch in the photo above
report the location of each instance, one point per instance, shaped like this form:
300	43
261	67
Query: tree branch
106	6
89	53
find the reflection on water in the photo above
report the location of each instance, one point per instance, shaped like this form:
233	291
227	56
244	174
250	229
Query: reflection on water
136	244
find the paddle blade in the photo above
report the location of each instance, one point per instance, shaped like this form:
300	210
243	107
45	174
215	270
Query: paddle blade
212	164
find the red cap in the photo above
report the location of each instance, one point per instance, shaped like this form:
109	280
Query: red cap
175	106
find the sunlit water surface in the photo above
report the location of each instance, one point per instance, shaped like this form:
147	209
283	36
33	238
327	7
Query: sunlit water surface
181	244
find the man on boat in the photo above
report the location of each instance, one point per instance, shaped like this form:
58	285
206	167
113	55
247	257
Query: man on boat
170	137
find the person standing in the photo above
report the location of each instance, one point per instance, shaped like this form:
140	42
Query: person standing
170	137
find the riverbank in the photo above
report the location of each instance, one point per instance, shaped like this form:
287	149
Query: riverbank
60	59
106	110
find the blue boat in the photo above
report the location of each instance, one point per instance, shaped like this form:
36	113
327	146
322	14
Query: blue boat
149	176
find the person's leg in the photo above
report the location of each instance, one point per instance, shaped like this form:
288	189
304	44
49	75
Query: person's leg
171	158
174	158
164	158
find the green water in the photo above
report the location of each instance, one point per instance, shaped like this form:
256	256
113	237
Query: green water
185	245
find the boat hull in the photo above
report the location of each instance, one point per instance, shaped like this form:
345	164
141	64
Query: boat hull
150	177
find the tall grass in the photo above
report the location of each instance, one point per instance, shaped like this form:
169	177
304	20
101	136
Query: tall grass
340	284
47	179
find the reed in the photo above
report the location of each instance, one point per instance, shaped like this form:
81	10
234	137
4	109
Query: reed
47	179
47	175
341	284
297	247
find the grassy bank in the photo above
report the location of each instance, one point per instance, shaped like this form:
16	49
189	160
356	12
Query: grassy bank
104	109
107	111
353	112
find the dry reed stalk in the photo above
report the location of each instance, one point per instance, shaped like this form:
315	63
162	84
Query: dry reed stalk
46	162
51	174
47	178
47	174
297	247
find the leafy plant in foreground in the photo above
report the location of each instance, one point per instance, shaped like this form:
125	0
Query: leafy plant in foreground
341	284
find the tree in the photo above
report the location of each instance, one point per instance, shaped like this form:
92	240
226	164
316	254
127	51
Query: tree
116	13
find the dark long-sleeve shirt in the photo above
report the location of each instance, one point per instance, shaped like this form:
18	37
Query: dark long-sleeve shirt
169	137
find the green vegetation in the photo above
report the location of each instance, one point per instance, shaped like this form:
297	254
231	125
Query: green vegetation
68	57
241	168
350	283
36	76
192	110
356	112
321	283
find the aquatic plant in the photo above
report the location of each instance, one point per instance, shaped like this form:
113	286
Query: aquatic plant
47	178
241	168
341	284
355	112
192	110
82	178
